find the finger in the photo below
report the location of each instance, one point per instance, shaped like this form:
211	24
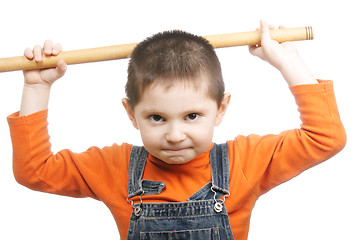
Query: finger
48	47
28	53
56	49
282	27
37	53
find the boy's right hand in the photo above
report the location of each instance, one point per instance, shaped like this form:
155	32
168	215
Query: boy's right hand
45	76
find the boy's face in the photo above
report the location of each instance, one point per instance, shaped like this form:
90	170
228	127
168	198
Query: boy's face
176	125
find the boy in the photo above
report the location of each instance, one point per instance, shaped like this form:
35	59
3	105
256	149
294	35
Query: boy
175	186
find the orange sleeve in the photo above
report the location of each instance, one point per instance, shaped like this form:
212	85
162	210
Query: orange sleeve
270	160
63	173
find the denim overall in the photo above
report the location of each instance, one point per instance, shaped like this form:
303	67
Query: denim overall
203	216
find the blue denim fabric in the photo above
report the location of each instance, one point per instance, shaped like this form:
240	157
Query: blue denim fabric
195	219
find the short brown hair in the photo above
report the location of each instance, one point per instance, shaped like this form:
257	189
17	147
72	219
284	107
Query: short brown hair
170	56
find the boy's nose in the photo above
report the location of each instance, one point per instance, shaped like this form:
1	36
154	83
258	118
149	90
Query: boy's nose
175	134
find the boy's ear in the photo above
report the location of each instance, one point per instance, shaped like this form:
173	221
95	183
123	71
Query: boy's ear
130	112
222	109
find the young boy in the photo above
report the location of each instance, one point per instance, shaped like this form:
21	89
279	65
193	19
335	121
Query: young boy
175	186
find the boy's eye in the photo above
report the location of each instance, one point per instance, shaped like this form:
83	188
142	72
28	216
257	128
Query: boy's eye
192	116
156	118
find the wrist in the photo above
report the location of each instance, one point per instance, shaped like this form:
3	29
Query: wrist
38	86
35	98
295	72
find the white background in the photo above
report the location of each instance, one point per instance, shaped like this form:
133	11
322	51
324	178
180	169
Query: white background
85	106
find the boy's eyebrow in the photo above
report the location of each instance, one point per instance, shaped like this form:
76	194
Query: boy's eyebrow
147	112
150	110
153	111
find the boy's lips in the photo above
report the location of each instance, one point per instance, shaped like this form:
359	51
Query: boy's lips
175	150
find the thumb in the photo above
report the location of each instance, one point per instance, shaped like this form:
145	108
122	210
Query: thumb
52	74
60	68
265	32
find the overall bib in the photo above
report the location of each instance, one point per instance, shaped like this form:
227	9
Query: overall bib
203	216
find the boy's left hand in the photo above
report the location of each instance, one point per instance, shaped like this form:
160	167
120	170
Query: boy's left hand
283	56
277	54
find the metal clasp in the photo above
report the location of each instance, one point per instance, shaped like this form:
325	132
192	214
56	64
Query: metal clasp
138	208
218	207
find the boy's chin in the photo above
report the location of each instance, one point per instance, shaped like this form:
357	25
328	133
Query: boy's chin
175	161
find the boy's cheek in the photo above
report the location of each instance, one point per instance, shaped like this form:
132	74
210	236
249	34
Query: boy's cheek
150	135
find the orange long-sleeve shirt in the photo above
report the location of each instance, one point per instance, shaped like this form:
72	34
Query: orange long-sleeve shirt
257	163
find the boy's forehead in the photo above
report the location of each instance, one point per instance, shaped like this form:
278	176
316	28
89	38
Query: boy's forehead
179	91
197	83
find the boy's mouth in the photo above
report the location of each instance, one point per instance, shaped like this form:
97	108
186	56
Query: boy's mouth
175	150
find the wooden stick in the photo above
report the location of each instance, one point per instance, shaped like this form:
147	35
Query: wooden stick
124	50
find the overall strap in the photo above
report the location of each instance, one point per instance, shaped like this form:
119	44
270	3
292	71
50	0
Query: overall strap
219	160
136	185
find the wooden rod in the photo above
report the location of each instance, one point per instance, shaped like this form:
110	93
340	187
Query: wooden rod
124	50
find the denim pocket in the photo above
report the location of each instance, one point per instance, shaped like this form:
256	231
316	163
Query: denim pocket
194	234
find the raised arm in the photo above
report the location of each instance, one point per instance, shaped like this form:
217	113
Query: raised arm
65	172
277	158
